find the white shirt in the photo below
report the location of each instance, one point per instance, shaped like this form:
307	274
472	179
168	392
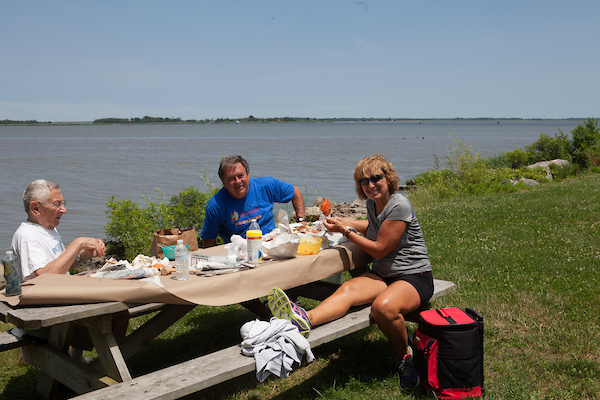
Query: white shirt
36	246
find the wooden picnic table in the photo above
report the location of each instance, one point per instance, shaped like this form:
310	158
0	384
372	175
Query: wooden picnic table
55	365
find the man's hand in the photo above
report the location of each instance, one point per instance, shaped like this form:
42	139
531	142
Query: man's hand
97	250
206	243
93	247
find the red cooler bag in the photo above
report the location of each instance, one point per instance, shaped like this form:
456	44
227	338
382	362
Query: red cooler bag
448	352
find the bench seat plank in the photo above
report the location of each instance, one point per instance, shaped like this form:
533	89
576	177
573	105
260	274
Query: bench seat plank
214	368
8	341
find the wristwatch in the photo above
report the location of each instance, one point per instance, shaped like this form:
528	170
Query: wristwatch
78	258
347	233
301	219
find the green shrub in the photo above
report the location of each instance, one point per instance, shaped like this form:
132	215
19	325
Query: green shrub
536	173
131	225
518	158
188	208
498	161
562	172
547	148
468	175
586	143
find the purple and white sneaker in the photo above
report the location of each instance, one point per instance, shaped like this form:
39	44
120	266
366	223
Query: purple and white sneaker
283	308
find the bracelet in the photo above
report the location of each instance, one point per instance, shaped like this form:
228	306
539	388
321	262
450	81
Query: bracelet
301	219
347	233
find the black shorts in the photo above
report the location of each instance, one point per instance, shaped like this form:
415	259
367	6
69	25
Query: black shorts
423	282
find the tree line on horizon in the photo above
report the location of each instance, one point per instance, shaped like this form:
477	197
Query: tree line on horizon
162	120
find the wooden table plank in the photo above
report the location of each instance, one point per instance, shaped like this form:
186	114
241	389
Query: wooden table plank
62	368
32	318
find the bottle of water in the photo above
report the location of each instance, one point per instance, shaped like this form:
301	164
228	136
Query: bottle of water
253	242
12	274
182	272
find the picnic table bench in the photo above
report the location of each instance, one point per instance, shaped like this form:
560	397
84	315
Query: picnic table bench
214	368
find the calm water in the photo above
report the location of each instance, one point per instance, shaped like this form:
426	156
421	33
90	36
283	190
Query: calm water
92	163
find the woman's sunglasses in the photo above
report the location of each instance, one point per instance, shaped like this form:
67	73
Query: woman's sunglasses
374	179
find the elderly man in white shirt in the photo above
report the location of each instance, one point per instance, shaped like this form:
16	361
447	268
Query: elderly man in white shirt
41	251
37	242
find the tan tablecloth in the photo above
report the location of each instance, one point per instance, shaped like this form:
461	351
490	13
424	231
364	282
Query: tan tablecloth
215	290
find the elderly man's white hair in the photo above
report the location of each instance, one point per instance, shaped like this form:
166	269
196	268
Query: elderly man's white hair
38	190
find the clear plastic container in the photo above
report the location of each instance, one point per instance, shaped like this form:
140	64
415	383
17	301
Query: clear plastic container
12	274
254	243
182	271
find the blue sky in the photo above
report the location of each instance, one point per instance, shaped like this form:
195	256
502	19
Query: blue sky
82	60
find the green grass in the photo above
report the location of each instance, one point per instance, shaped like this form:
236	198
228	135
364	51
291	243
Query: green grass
528	261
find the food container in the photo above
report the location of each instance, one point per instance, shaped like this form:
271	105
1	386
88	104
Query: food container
169	251
309	245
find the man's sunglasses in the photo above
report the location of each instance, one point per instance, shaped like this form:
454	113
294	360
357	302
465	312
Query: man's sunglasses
374	179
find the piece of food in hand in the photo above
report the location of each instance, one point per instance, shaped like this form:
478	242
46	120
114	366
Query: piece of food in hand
326	207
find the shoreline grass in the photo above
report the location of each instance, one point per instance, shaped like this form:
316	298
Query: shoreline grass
528	261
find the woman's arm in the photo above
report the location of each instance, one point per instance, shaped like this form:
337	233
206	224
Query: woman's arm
337	224
389	234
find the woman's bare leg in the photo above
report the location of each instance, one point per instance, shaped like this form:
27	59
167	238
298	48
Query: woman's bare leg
388	311
355	292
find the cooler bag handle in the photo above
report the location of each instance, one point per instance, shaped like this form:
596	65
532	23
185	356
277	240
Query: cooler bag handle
479	318
446	315
474	314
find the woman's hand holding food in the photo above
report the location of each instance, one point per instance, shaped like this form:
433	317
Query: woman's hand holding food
334	224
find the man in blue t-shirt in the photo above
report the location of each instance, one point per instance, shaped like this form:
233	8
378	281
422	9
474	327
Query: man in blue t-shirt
241	200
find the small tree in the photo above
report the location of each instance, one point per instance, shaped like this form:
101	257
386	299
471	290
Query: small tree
132	225
547	148
586	142
518	158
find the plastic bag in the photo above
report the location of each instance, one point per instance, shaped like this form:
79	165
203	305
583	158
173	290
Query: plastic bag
281	246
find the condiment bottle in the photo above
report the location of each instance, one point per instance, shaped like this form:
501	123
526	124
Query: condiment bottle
253	243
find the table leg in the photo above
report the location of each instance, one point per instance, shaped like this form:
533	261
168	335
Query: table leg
60	336
152	328
109	353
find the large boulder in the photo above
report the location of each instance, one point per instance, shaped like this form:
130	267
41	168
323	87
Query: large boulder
526	181
546	165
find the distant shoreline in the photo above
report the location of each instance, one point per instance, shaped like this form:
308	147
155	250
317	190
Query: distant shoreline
7	122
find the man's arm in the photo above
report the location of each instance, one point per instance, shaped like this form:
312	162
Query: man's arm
208	243
298	203
83	246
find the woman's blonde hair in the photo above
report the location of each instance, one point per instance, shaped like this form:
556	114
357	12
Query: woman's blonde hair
373	165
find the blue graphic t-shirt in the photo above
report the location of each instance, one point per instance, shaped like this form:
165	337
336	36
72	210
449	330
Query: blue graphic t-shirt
226	215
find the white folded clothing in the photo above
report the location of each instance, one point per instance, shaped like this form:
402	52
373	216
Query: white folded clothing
275	345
